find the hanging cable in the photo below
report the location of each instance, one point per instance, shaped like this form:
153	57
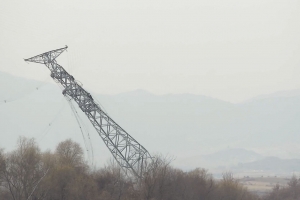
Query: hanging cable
91	160
88	135
18	97
38	183
47	129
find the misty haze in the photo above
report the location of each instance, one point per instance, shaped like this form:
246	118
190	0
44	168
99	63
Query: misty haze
210	90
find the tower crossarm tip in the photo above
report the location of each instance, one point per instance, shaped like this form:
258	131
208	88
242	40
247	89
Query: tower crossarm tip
46	57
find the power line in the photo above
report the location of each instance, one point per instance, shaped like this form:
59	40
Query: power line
77	117
50	125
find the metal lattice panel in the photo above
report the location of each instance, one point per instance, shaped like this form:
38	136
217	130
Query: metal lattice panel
126	150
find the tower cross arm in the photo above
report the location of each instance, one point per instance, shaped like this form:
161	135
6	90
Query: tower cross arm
46	57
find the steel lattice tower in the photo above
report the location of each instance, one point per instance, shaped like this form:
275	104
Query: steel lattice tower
129	154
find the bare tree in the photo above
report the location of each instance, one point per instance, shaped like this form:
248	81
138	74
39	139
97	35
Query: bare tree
29	174
289	192
70	153
68	176
2	166
154	180
294	187
230	189
22	169
4	193
112	182
199	184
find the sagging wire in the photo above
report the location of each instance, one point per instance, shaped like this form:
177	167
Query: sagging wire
38	183
47	129
78	119
81	126
89	138
18	97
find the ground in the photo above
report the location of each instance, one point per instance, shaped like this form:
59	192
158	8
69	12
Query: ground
262	185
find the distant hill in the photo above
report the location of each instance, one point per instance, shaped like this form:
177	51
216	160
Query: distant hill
280	94
233	156
181	125
224	159
271	164
13	87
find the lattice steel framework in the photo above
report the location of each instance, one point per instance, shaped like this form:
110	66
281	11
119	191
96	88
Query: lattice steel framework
125	149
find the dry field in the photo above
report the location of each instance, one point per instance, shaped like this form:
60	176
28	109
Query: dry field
263	185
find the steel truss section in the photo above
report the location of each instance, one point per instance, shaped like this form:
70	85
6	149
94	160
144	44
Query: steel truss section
129	154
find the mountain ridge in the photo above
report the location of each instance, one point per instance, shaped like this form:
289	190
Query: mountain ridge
183	125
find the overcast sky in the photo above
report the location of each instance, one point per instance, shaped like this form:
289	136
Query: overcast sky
228	49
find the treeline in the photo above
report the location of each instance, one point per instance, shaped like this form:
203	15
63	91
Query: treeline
290	192
27	173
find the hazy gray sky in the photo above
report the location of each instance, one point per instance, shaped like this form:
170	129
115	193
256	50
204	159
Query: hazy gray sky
228	49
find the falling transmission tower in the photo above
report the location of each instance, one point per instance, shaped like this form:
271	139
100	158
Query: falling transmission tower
129	154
